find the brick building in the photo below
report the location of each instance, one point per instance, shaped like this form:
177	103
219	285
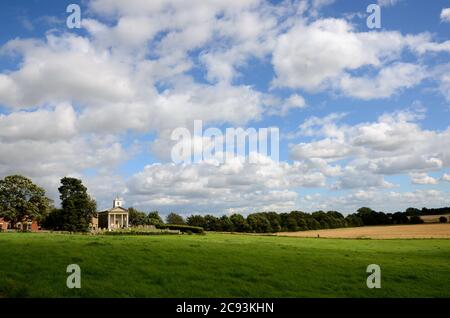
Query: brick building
32	226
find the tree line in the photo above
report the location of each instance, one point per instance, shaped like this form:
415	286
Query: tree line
272	222
21	200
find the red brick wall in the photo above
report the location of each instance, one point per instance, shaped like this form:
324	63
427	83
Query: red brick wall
34	226
3	225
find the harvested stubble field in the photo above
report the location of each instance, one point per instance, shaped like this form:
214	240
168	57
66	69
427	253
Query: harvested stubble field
419	231
434	218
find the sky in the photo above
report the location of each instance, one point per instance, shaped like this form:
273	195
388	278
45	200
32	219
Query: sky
363	113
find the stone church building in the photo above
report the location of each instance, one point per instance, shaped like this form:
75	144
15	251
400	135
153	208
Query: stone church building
113	219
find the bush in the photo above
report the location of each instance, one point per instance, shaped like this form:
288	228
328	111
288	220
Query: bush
182	228
443	219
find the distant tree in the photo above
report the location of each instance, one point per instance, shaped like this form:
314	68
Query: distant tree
136	217
443	219
274	220
239	223
412	212
291	223
399	218
153	218
415	219
174	218
212	223
225	224
21	200
77	206
353	220
259	223
370	217
196	220
312	223
54	220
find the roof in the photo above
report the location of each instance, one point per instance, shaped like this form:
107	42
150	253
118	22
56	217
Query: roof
116	209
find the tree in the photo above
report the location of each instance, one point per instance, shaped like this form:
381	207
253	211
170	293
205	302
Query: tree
399	218
442	219
22	201
174	218
353	220
153	218
54	220
239	223
196	220
415	219
212	223
136	217
225	224
77	206
259	223
412	211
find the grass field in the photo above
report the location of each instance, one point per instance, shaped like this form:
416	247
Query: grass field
220	265
419	231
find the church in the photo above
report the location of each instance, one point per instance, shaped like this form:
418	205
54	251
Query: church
115	218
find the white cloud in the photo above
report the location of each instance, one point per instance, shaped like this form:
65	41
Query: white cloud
63	68
234	185
422	178
445	15
446	177
308	55
72	102
395	144
326	54
389	81
39	125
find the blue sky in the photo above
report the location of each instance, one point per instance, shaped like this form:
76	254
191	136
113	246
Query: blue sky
363	113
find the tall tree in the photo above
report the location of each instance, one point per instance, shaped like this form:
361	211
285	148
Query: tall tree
21	200
136	217
174	218
77	206
153	218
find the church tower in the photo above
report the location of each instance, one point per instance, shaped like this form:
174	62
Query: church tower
117	203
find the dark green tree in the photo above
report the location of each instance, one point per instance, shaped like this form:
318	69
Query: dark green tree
415	219
196	220
259	223
225	224
239	223
22	201
153	218
174	218
212	223
54	220
136	217
77	206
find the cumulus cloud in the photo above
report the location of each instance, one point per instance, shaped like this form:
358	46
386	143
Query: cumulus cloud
62	68
42	124
81	104
234	186
445	15
325	53
395	144
389	81
422	178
